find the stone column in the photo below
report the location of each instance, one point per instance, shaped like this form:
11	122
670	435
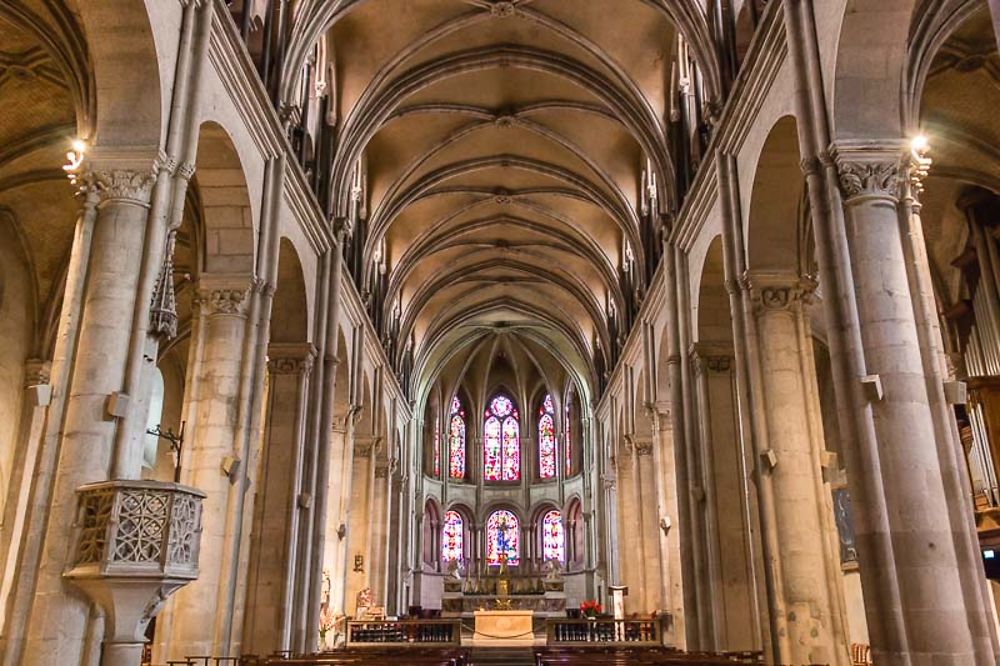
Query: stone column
273	557
193	623
930	603
37	395
668	512
645	473
337	532
378	556
792	458
708	567
359	517
57	626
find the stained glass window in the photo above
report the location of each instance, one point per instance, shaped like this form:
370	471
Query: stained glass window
456	440
553	537
546	440
437	448
567	436
452	537
502	536
501	441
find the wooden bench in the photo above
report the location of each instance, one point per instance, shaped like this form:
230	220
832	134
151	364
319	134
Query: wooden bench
372	656
615	656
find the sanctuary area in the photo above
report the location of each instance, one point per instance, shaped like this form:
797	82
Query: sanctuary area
522	332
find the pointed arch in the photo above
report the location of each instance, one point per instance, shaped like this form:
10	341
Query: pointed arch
501	440
547	439
457	451
503	538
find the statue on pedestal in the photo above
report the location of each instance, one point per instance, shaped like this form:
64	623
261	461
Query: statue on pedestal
553	569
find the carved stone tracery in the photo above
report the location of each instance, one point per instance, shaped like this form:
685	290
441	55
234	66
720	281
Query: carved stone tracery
126	526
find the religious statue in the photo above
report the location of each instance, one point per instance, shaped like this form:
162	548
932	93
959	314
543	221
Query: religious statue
553	569
454	569
365	603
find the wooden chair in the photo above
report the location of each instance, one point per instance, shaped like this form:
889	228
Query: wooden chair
861	654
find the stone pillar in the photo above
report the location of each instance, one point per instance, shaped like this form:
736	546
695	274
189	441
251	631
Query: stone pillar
792	458
628	542
37	395
645	473
930	602
668	512
57	625
610	514
359	517
336	554
378	556
273	557
193	623
342	229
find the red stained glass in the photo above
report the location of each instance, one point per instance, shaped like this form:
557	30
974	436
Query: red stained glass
456	441
437	448
452	537
501	441
502	536
553	537
546	440
568	436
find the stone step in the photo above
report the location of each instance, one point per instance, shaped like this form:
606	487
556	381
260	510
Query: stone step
504	656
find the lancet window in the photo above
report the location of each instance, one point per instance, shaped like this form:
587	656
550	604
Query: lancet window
452	537
501	441
546	439
553	537
502	537
456	440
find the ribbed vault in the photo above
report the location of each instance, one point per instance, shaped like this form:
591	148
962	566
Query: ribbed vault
506	163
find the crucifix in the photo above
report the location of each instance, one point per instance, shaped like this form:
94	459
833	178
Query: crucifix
503	583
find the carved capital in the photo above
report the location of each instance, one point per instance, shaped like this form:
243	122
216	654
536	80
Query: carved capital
185	170
868	179
290	358
36	372
643	447
718	364
891	170
708	357
290	365
778	292
223	295
342	228
124	186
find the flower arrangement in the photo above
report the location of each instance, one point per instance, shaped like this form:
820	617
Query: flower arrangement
591	608
327	621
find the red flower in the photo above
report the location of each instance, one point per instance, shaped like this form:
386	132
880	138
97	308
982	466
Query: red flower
591	607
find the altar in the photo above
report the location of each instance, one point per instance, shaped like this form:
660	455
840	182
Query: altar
505	628
528	592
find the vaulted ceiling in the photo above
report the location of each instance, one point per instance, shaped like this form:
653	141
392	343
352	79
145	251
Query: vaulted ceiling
509	151
45	92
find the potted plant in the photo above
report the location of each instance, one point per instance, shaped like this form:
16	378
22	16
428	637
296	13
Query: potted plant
591	608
